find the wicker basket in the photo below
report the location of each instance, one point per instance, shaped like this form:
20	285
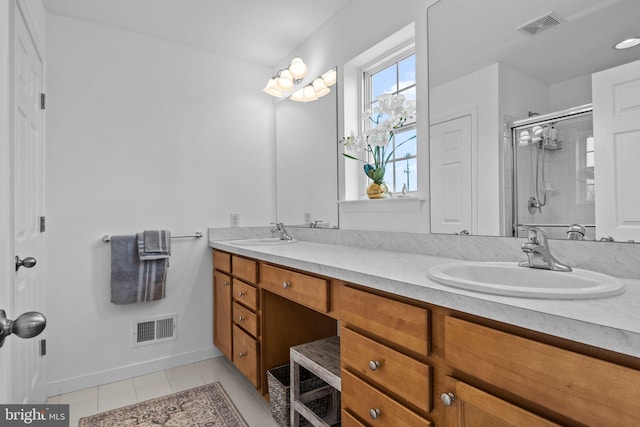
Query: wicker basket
278	380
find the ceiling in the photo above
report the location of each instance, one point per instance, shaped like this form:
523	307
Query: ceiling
486	33
259	31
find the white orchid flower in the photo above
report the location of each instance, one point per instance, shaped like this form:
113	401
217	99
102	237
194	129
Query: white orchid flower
378	137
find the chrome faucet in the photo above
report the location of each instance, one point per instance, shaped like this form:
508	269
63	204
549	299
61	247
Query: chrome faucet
537	250
576	232
283	232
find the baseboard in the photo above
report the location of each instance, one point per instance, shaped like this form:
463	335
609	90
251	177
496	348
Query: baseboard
124	372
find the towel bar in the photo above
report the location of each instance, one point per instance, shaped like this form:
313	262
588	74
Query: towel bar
106	238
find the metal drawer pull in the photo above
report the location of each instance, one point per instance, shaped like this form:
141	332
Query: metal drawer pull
374	364
286	285
241	318
374	413
242	354
226	284
447	399
241	294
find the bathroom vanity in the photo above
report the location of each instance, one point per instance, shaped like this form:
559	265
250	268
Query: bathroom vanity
415	353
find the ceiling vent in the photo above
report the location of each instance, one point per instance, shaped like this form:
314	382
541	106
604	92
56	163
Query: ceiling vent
544	23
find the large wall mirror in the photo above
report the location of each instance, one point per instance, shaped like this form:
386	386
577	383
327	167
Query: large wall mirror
534	117
307	162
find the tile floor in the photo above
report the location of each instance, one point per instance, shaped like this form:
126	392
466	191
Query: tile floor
251	405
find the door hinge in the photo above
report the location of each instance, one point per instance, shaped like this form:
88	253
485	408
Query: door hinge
43	347
43	101
43	222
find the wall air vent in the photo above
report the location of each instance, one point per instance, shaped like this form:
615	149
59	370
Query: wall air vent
544	23
155	330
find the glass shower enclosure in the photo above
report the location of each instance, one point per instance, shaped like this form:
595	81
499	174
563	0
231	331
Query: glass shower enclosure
554	172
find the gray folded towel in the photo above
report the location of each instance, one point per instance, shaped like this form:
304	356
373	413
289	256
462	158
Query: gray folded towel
154	244
132	279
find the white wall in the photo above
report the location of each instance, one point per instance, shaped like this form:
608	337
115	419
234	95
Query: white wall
570	93
143	134
360	25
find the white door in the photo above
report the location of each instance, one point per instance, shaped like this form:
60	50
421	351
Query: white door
28	375
450	153
616	125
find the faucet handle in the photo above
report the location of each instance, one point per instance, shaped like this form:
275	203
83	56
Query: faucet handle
537	236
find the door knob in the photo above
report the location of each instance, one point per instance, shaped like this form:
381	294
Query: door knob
28	262
27	325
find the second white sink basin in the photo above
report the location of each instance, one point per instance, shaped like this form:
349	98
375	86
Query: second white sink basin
262	241
508	279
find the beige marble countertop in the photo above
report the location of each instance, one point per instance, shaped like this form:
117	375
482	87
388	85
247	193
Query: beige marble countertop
611	323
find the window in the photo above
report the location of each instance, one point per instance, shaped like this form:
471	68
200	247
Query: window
396	75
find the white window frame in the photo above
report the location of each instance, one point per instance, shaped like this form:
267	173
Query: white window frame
380	63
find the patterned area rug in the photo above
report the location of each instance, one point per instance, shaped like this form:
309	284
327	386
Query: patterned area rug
207	405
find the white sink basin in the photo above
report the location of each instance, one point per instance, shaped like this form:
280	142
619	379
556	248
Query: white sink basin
507	278
262	241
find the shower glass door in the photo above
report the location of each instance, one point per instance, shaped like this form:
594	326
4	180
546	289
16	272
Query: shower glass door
553	173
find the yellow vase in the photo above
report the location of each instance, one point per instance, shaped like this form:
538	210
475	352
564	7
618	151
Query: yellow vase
378	191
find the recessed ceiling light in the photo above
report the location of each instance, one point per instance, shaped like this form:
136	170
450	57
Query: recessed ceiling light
626	44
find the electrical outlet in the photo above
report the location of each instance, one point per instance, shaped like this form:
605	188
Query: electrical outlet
235	220
307	217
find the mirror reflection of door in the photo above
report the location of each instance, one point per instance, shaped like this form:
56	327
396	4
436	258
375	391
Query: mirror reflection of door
451	176
616	116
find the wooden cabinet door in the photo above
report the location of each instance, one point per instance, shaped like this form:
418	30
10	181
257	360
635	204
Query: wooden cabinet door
246	355
222	337
583	388
472	407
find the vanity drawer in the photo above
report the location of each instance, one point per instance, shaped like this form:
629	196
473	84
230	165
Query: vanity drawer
365	402
222	261
245	318
396	372
403	324
304	289
245	269
348	420
588	390
245	355
245	294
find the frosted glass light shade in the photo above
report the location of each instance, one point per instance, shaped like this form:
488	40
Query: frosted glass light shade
297	96
272	88
330	77
320	87
285	80
298	68
309	94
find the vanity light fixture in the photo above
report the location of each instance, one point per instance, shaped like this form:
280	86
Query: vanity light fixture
286	78
316	89
272	88
298	68
320	87
627	43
